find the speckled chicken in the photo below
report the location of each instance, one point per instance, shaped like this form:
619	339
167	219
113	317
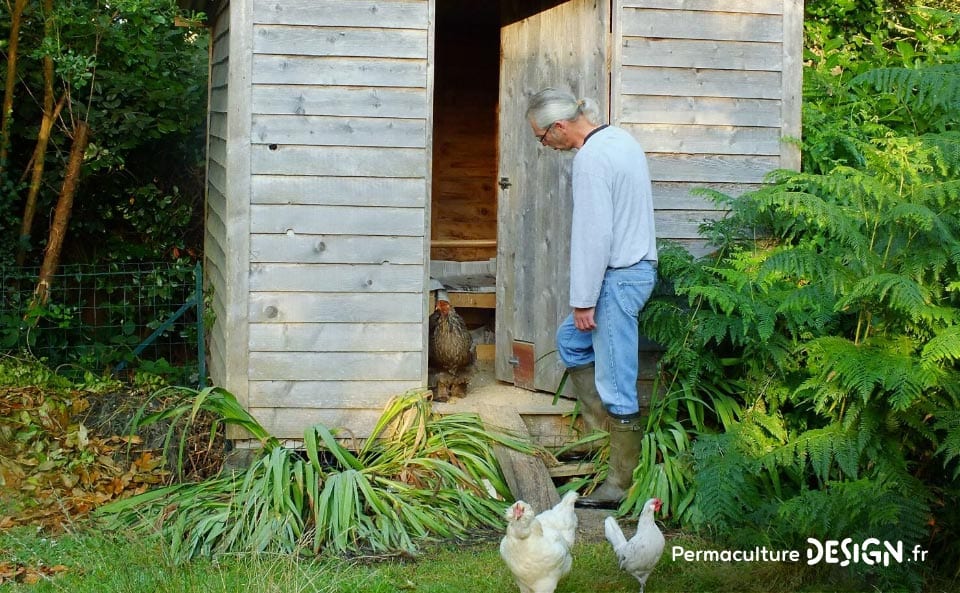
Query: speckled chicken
452	353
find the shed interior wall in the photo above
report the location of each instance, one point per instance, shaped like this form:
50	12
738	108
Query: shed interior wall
466	81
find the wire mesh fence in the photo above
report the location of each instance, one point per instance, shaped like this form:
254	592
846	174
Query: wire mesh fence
111	318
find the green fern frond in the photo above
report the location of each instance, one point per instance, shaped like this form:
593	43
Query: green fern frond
863	508
810	308
947	154
914	215
932	86
822	448
722	482
719	297
899	292
839	361
802	263
938	195
881	366
944	347
948	421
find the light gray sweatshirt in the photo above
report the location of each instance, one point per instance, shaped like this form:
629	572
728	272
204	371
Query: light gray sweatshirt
612	211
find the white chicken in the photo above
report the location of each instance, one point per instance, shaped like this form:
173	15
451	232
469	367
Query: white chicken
640	554
537	549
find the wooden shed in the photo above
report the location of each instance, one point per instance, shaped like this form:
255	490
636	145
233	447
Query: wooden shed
353	143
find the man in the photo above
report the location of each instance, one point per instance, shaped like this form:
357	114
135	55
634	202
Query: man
613	269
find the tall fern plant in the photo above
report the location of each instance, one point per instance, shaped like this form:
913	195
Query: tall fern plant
830	310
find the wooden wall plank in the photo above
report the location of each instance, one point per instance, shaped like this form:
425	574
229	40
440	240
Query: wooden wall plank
218	73
323	41
792	82
338	161
304	395
213	275
702	53
347	220
221	50
678	196
218	99
717	111
706	139
217	125
278	307
216	215
688	24
357	278
316	130
335	337
691	82
683	224
710	168
338	71
292	422
347	101
335	366
337	13
216	173
341	249
754	6
339	191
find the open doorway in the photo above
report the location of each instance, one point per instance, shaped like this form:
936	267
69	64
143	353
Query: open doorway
466	90
463	227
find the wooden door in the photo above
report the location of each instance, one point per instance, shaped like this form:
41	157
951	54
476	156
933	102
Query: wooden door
543	43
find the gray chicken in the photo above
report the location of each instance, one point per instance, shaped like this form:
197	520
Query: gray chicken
639	554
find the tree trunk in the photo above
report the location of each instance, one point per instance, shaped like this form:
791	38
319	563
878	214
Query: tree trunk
15	14
61	216
43	137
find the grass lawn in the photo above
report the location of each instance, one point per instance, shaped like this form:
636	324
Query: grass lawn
83	562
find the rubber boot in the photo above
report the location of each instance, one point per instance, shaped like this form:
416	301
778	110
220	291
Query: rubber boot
594	414
626	437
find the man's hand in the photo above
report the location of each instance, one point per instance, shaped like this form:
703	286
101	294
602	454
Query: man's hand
583	319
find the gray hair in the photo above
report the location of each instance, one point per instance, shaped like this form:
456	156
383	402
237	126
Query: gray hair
552	105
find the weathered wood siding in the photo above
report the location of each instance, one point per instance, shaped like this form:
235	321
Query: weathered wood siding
710	88
339	161
217	207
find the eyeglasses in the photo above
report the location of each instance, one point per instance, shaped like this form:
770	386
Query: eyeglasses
545	132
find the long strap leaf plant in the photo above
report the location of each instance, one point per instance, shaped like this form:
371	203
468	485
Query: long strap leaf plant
419	475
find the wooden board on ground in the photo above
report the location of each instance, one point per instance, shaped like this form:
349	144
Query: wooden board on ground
527	475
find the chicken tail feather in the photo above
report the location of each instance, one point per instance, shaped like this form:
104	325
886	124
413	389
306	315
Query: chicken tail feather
614	533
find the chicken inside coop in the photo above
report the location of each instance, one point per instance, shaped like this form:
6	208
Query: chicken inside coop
452	353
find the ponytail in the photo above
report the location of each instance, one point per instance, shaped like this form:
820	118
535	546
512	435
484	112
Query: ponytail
550	105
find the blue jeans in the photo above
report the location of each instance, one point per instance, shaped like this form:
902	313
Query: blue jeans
614	345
